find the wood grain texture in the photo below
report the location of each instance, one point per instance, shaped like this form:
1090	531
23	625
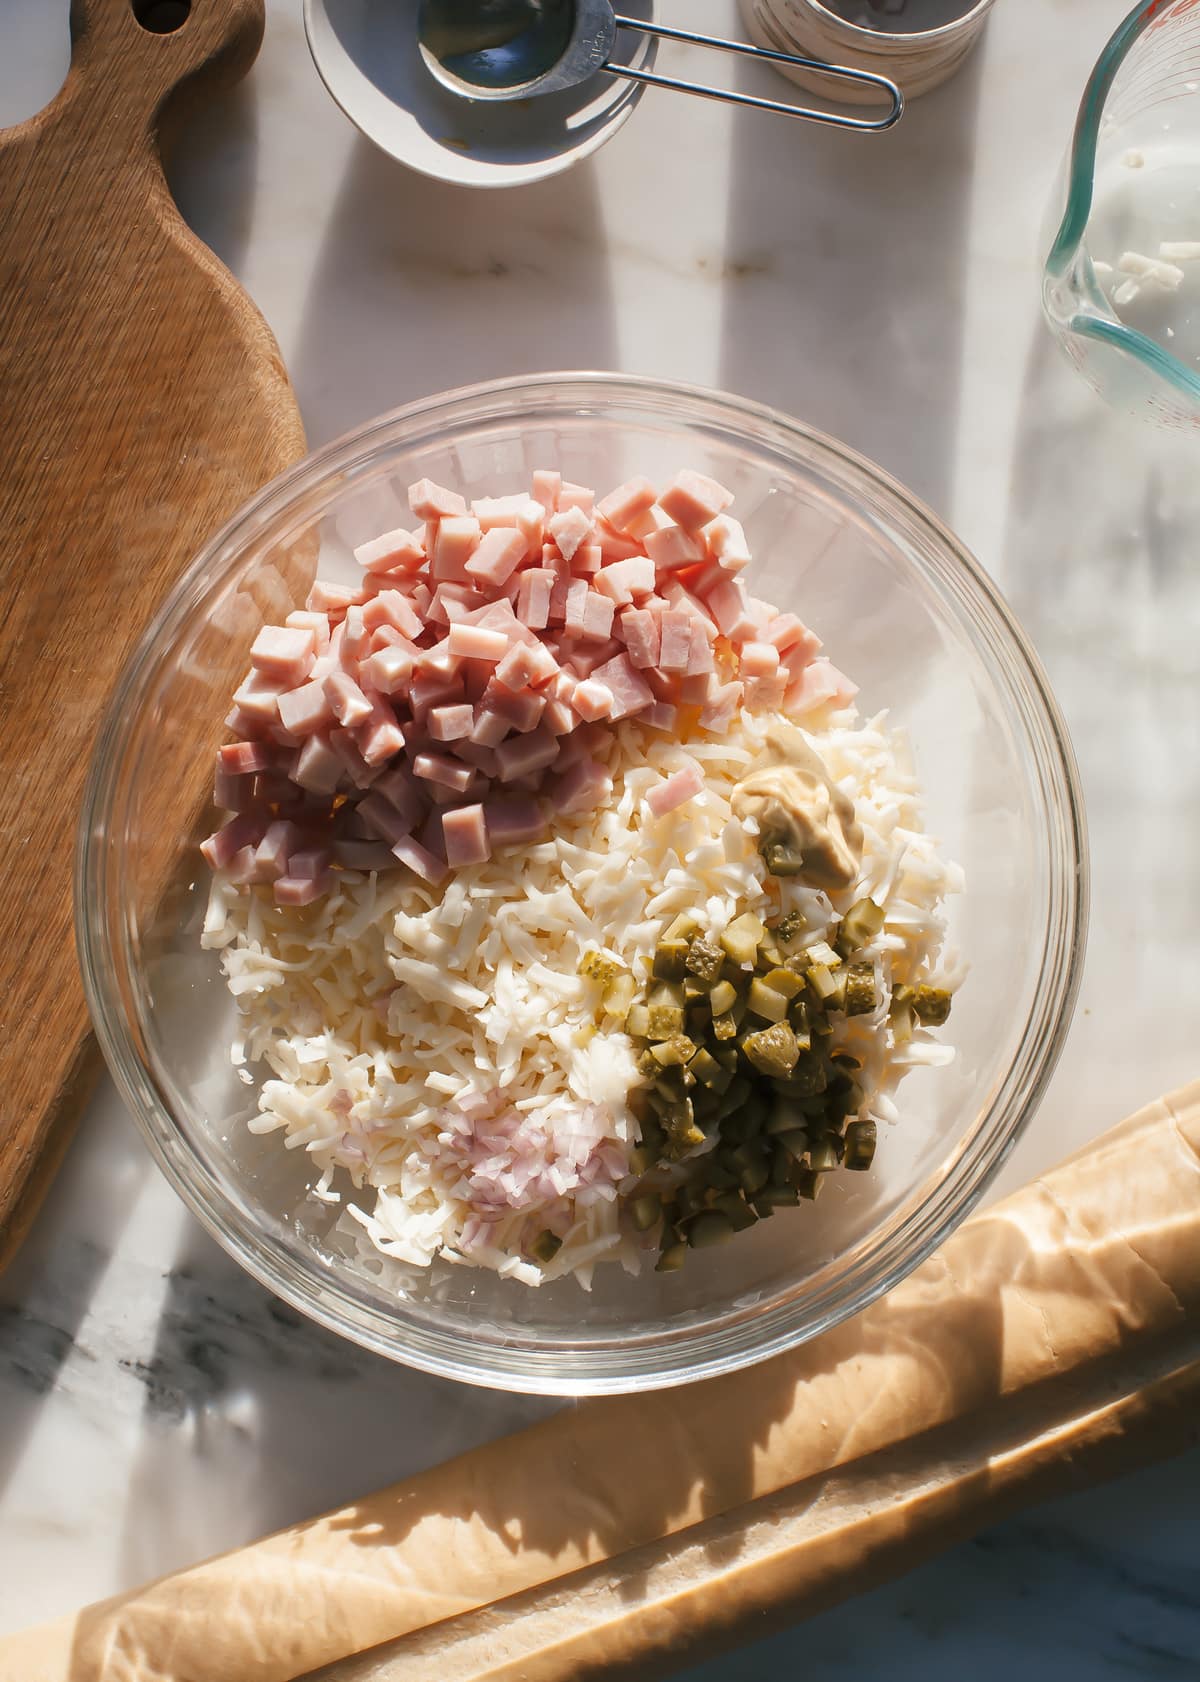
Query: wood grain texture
143	399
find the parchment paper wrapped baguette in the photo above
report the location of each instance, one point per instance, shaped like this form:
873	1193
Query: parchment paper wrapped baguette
1087	1277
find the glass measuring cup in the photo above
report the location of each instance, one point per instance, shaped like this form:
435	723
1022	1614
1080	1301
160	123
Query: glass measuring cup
1121	286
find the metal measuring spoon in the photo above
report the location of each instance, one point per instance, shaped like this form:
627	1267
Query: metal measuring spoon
521	49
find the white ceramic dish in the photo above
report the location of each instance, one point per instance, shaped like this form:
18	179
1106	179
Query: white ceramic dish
366	54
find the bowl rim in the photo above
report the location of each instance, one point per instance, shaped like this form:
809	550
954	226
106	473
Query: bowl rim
603	1365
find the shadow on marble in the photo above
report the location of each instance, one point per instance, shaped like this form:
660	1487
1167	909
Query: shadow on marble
831	233
248	1406
46	1290
1111	600
419	287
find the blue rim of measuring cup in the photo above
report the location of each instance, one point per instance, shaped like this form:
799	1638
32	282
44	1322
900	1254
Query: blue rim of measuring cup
1080	182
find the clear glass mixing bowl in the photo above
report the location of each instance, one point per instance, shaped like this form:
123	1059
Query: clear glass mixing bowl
901	606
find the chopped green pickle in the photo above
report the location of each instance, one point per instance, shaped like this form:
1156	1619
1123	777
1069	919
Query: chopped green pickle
773	1050
789	928
859	926
764	1001
860	1144
769	954
782	860
809	1185
670	960
821	952
644	1210
545	1247
794	1141
821	982
685	927
722	998
860	989
725	1026
619	995
704	960
677	1051
671	1259
823	1158
599	966
665	1020
784	981
932	1005
637	1022
709	1227
735	1211
740	940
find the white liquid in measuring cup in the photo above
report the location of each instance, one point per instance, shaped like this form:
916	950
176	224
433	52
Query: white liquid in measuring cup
1143	236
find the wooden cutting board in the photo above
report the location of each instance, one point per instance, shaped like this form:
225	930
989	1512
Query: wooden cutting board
142	399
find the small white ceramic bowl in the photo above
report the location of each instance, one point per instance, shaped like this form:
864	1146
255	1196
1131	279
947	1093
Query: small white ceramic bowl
366	54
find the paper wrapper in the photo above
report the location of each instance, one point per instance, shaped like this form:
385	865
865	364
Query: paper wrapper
1050	1325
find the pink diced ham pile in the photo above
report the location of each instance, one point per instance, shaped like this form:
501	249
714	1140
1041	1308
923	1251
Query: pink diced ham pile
450	704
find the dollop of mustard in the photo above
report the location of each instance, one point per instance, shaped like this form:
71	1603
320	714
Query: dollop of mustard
806	824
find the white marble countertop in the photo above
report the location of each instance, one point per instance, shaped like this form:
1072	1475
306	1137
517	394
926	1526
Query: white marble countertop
155	1404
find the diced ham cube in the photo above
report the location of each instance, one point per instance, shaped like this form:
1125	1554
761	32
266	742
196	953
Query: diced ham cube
546	486
765	693
283	654
306	710
587	560
271	854
582	787
420	860
511	820
317	767
389	607
239	759
493	511
490	728
454	543
500	552
258	698
389	670
308	863
625	580
700	655
483	759
380	736
661	716
317	623
586	656
676	641
758	659
672	548
440	768
243	831
432	502
382	820
598	614
573	608
454	603
559	718
725	541
522	708
569	530
345	747
233	793
401	789
789	634
346	700
614	545
300	890
692	500
695	691
591	700
520	756
465	836
438	662
640	632
476	642
575	496
727	603
640	528
450	724
243	866
676	790
624	504
394	551
332	599
526	665
533	598
629	688
819	683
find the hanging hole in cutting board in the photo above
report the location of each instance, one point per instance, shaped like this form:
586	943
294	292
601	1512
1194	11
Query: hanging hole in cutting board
161	17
